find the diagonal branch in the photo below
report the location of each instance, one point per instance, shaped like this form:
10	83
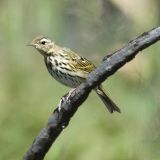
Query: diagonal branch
69	104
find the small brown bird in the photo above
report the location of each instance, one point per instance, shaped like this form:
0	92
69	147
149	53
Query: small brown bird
68	67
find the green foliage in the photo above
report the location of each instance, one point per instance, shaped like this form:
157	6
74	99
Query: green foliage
28	94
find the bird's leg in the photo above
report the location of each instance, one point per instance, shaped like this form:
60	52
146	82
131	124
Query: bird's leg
67	95
60	103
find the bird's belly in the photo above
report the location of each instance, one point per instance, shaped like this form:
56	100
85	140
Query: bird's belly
66	78
63	74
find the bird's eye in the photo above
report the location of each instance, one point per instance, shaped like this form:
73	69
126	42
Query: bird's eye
43	42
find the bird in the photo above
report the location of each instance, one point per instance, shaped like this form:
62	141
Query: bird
68	67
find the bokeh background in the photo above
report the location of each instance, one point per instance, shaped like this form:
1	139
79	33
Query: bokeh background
93	28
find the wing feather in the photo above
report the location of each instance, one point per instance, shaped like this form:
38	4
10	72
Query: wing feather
79	63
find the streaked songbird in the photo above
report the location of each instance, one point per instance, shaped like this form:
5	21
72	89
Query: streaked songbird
68	67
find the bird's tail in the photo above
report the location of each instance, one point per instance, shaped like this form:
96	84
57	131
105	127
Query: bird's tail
111	106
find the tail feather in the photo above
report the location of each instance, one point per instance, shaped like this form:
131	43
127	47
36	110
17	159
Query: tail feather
111	106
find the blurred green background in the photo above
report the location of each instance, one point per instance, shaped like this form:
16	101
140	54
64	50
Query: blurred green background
94	28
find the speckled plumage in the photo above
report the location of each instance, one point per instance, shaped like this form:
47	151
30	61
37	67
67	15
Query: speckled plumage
68	67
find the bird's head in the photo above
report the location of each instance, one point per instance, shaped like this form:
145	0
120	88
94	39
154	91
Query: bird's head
42	44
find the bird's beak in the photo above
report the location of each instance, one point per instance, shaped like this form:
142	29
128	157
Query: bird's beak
30	44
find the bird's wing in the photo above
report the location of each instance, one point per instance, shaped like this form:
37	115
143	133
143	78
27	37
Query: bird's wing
79	63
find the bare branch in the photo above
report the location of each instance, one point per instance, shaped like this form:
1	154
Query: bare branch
69	104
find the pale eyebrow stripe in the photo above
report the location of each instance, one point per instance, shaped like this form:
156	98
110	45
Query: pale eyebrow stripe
44	39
